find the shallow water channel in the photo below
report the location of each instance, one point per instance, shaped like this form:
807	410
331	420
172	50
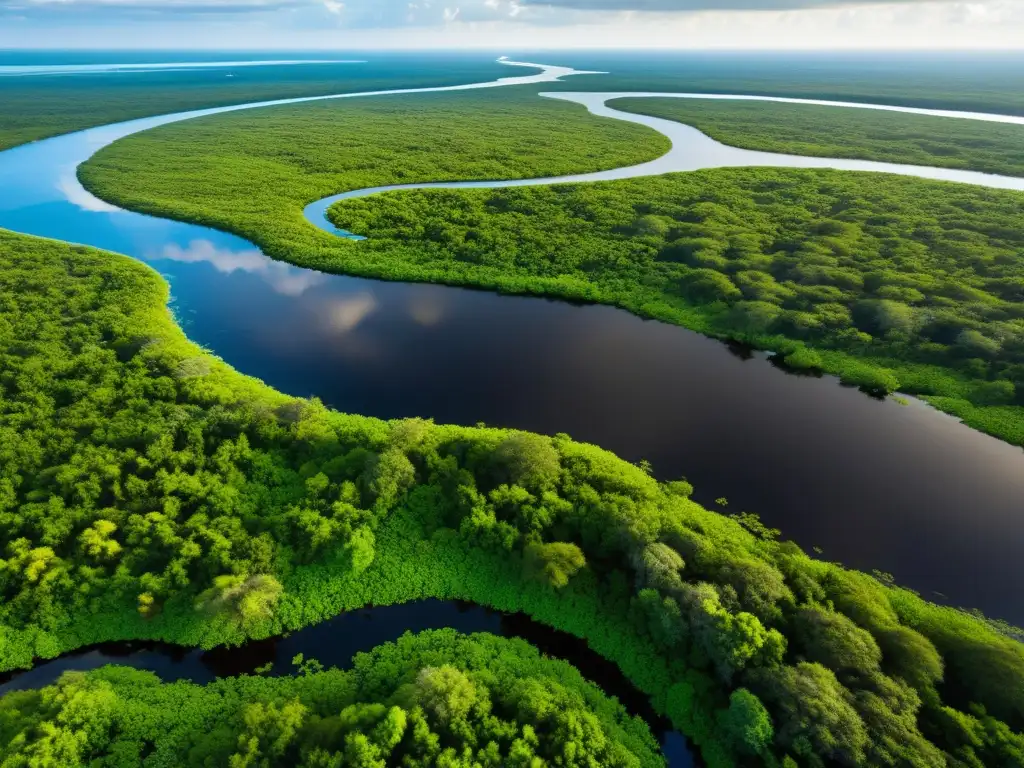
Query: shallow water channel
333	643
874	484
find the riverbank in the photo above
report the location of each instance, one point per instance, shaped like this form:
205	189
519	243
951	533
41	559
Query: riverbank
960	379
430	698
255	513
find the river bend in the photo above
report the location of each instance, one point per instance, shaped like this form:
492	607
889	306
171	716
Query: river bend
875	485
693	150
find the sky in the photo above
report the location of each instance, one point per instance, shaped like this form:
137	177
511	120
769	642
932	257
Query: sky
512	24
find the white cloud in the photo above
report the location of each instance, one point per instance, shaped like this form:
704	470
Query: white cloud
512	24
670	6
114	9
73	191
283	278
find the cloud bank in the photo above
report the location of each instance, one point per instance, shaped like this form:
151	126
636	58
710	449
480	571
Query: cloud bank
56	7
509	25
670	6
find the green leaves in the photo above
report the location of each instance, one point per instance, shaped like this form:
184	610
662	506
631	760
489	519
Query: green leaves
553	563
747	723
133	478
446	693
424	700
244	601
529	460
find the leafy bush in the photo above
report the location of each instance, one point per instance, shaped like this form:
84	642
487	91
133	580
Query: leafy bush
875	381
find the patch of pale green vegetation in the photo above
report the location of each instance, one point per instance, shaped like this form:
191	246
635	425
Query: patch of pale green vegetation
254	172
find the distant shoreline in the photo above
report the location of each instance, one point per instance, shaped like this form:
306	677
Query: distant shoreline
29	70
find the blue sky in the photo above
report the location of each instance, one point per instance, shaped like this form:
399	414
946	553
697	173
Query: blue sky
513	24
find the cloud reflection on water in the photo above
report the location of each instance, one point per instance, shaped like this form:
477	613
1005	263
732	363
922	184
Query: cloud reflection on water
428	311
346	314
69	186
283	278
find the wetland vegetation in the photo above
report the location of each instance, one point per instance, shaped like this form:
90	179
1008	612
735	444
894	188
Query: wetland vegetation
978	81
151	492
891	283
148	491
865	134
438	698
39	106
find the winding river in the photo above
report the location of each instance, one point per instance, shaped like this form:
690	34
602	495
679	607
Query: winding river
874	484
693	150
333	643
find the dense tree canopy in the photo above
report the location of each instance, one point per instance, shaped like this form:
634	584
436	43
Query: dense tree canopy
148	491
436	699
893	283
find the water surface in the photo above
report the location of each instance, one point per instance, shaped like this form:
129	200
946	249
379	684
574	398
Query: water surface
693	150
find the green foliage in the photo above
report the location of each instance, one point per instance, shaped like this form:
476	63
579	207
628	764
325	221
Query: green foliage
553	563
804	359
529	460
747	723
817	720
890	282
243	601
438	698
835	641
275	513
874	381
445	692
41	106
394	140
388	476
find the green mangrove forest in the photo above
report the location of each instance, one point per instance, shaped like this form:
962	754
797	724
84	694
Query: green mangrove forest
892	283
437	699
41	106
148	491
991	82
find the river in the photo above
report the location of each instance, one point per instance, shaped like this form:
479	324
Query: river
874	484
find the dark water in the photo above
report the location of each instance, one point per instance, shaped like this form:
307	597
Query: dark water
877	485
334	643
874	484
